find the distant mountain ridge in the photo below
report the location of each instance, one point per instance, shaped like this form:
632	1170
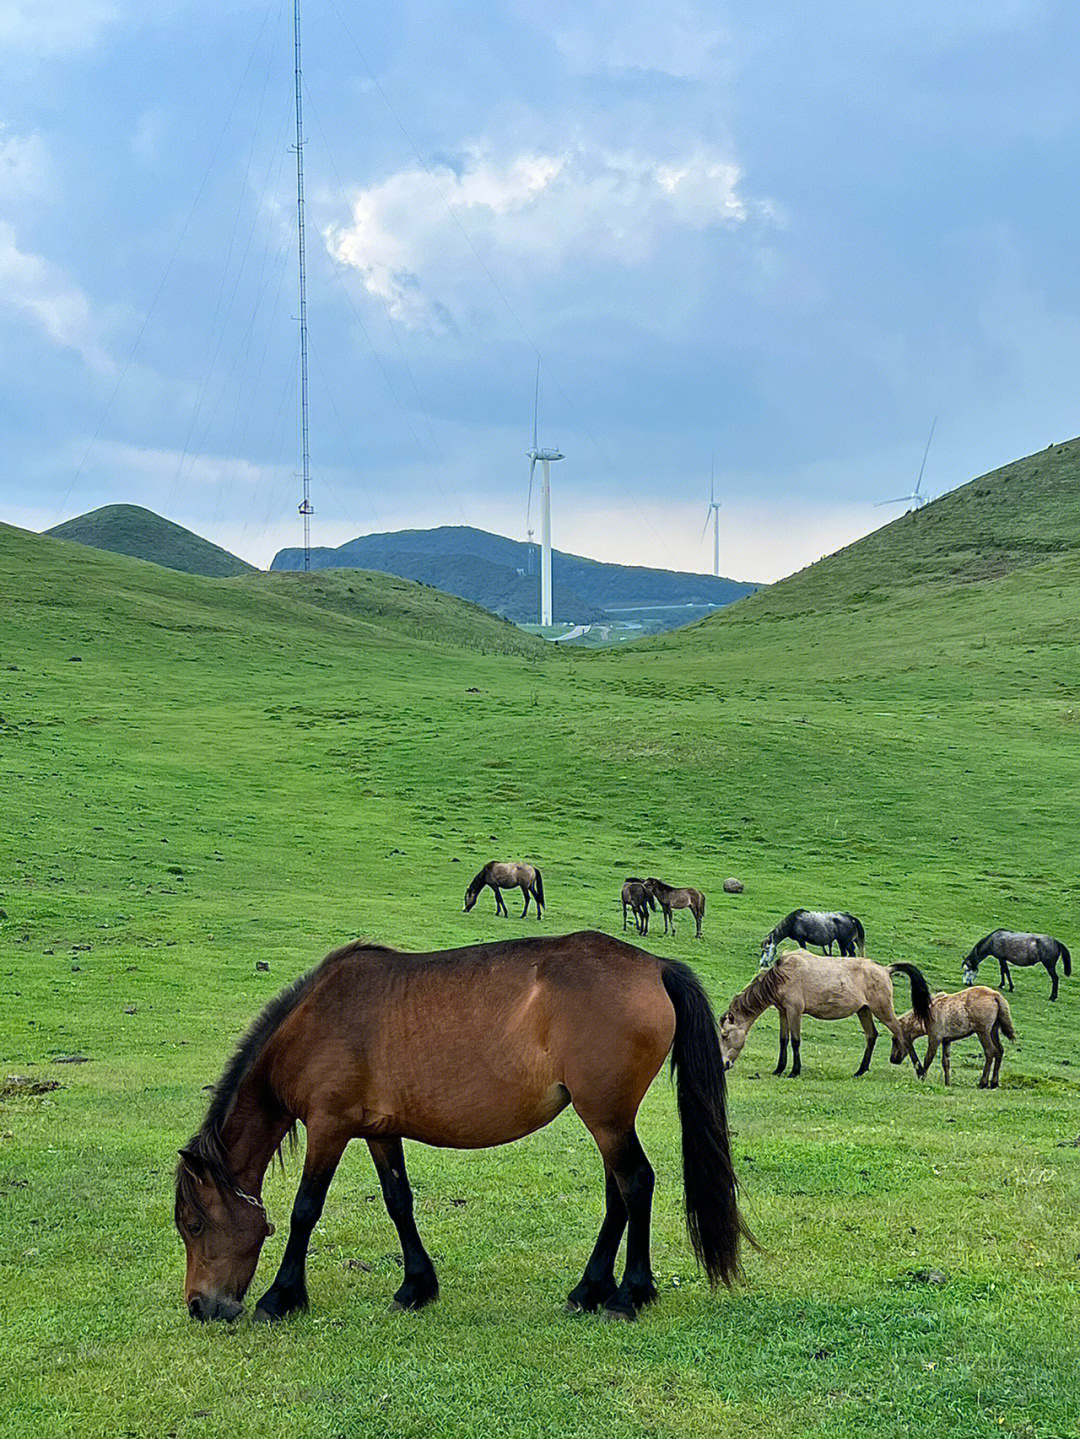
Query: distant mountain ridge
143	535
502	574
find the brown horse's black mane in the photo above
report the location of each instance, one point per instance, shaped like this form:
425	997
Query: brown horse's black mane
762	991
480	880
206	1149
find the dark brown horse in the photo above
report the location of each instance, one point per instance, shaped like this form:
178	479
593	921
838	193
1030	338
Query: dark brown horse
499	876
669	898
637	900
465	1049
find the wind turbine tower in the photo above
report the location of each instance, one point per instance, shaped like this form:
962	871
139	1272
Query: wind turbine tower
713	513
546	459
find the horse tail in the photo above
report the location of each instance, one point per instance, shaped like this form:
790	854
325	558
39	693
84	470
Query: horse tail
1004	1018
713	1220
860	935
1066	959
920	990
539	886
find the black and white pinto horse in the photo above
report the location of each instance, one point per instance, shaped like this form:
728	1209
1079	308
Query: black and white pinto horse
1009	947
813	926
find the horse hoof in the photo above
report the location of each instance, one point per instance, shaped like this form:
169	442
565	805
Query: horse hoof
618	1316
570	1307
263	1316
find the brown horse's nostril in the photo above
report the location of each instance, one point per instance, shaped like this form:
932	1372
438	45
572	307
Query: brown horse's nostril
205	1309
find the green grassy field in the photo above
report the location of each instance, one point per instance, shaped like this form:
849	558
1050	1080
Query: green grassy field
229	774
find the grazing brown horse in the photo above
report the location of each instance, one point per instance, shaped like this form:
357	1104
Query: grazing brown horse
499	876
465	1048
801	983
638	901
976	1010
1008	946
669	898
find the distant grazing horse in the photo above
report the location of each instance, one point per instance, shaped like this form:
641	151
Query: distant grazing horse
976	1010
499	876
825	988
638	901
463	1049
669	898
1009	947
815	926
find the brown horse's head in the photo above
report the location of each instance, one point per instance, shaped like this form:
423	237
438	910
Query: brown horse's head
913	1028
223	1230
733	1031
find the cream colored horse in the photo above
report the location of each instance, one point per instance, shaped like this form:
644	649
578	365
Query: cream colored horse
980	1011
823	987
498	875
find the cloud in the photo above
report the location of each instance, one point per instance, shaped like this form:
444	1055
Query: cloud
25	167
534	210
49	27
34	286
676	40
161	467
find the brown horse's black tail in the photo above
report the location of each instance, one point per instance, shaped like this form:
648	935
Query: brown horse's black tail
712	1212
920	990
1066	959
539	886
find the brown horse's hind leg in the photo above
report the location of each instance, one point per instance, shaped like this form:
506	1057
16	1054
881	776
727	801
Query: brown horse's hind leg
1051	970
420	1286
866	1019
634	1176
525	892
946	1060
999	1054
597	1284
288	1293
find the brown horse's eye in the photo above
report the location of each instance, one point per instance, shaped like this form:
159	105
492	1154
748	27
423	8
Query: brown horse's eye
195	1228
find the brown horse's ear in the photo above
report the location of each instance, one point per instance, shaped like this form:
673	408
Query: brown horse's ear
193	1162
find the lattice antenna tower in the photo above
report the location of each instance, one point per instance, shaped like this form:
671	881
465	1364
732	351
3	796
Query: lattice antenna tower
305	507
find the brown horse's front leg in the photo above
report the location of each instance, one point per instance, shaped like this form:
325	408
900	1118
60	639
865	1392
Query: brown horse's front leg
866	1019
500	903
781	1063
288	1293
421	1285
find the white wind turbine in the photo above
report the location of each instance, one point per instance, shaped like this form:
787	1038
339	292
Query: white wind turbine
713	513
546	458
917	499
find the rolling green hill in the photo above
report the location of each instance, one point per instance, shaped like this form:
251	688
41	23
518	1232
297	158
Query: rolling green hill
204	777
503	574
1020	515
131	530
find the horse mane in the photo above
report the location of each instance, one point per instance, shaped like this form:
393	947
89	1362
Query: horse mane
660	885
762	991
206	1146
477	883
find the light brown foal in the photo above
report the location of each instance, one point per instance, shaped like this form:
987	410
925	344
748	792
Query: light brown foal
980	1011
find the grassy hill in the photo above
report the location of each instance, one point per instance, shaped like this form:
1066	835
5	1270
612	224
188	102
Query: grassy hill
503	574
246	771
1020	515
131	530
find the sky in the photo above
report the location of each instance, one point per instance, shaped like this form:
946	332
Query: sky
772	238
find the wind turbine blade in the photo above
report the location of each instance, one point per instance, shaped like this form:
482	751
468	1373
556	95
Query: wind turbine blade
536	400
922	467
528	508
897	500
708	517
712	479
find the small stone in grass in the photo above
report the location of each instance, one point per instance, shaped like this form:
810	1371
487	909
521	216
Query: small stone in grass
131	1009
733	886
263	965
71	1059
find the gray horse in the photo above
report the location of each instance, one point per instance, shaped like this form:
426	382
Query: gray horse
1009	947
